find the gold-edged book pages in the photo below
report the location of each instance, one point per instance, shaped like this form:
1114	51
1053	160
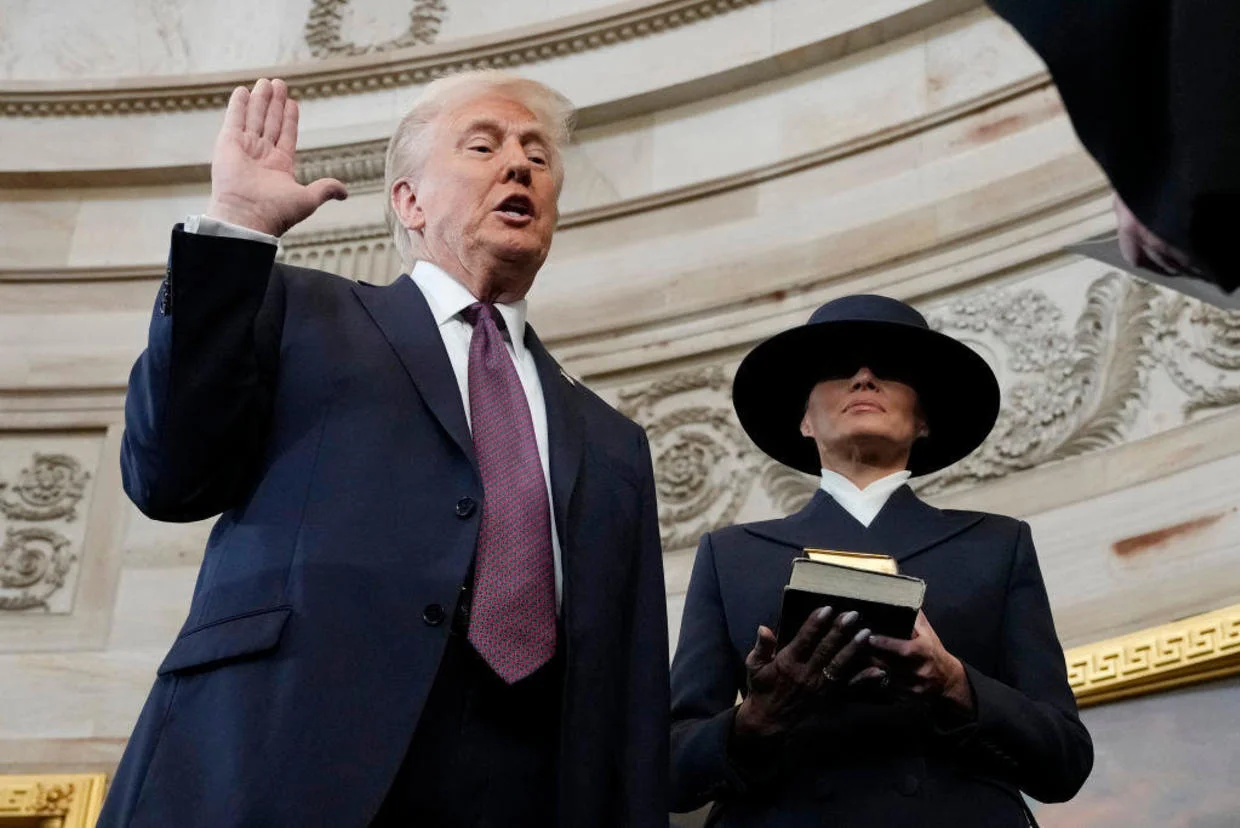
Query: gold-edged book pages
53	800
869	561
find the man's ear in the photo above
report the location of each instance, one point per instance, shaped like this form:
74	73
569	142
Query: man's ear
806	429
406	206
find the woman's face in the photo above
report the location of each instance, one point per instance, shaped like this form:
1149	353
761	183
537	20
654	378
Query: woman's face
861	414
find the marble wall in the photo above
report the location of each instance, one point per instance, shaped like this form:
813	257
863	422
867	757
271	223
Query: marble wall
739	163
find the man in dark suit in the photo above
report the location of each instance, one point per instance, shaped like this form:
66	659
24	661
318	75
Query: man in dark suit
435	594
1153	90
842	727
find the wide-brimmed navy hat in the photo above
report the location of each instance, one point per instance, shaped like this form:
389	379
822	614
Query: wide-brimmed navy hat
958	392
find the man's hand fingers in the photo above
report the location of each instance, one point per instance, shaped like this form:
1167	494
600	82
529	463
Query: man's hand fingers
288	130
833	641
327	189
234	117
274	119
801	647
256	112
1157	257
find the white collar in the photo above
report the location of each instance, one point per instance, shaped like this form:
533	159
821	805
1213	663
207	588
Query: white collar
862	504
447	298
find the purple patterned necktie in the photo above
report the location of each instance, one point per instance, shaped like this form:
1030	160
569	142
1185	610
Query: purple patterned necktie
512	622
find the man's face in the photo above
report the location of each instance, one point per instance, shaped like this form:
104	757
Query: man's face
862	413
487	194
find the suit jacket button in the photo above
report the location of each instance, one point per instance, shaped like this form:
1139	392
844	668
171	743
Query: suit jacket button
465	507
433	615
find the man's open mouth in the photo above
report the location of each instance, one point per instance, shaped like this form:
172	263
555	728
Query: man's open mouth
516	206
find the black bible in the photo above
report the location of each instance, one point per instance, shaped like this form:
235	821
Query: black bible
888	603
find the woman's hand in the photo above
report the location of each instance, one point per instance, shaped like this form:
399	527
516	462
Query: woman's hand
785	686
921	666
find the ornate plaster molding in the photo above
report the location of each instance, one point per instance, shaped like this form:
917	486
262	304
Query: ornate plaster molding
352	74
66	800
324	38
49	489
36	561
359	166
1183	652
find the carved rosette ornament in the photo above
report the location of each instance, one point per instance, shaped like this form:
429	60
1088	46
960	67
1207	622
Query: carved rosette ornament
49	489
704	465
34	564
325	19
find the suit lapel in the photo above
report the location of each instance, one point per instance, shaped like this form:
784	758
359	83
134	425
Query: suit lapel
822	524
404	318
908	526
565	431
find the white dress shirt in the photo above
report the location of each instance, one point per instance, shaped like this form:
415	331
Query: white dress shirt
862	504
447	298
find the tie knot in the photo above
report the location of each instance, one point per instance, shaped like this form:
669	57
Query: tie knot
478	310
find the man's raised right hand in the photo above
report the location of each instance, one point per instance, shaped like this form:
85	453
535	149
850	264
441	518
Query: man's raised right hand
252	169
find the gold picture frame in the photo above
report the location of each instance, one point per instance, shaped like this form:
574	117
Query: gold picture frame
58	800
1184	652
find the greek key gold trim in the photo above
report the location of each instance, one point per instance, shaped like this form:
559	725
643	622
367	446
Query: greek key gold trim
366	73
1188	651
54	800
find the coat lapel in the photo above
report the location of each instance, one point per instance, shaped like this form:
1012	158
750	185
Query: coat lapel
822	524
908	526
905	527
565	431
404	318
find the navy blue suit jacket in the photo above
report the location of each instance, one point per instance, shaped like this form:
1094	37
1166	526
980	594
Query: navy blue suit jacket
879	761
322	418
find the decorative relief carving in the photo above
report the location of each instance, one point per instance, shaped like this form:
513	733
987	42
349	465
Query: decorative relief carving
704	465
36	561
359	166
1076	393
408	69
1073	384
355	253
1198	357
49	489
63	800
1182	652
323	24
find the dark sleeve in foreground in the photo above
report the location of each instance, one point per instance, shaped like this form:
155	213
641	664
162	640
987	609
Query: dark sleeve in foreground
1153	91
199	400
645	768
1026	729
705	682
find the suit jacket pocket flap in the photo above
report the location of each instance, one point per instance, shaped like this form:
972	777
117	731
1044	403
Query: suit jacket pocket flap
240	635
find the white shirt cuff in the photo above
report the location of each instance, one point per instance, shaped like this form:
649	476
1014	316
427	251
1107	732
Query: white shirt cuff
207	226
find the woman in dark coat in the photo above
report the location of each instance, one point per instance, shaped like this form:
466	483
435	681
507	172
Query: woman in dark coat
842	727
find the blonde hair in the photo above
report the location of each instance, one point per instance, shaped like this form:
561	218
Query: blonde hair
407	150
